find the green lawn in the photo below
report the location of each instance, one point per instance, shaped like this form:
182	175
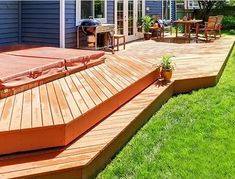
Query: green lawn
192	136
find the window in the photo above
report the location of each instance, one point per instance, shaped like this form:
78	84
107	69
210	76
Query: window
92	8
140	15
191	4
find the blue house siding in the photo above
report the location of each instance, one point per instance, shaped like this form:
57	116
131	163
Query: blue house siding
9	22
155	7
70	24
110	11
173	10
40	22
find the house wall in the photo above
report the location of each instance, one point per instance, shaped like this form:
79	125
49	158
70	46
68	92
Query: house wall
70	21
110	11
155	7
70	24
173	10
9	22
40	22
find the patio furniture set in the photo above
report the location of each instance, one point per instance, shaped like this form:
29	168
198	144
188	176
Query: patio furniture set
211	27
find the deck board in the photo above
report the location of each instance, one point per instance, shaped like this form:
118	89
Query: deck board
109	78
7	113
93	85
36	108
45	106
64	107
17	112
89	89
88	100
55	108
103	80
99	83
121	83
26	121
77	96
70	99
88	154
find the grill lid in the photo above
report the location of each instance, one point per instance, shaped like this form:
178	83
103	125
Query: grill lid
90	22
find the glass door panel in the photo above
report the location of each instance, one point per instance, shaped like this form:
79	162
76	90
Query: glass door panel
130	17
120	17
139	15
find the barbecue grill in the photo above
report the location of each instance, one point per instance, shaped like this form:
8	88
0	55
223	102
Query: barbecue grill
92	34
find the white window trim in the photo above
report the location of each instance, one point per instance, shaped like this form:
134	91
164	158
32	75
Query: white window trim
62	23
170	10
78	12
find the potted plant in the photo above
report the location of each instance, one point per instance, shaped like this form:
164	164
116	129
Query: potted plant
147	23
167	67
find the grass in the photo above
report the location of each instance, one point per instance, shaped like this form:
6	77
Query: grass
191	136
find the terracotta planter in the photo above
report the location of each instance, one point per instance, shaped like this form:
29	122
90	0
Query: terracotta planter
166	74
147	35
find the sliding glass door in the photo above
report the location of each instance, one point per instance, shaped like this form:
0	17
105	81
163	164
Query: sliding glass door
128	17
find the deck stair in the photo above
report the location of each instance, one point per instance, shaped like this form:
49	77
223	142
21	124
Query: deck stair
56	113
88	154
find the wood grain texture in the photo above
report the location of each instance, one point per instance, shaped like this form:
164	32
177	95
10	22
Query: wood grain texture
87	155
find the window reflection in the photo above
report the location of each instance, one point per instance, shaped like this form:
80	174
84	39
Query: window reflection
92	8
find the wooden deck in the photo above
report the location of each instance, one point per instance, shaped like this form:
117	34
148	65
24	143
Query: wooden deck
88	154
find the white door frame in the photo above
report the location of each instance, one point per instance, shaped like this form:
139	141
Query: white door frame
62	23
170	10
136	35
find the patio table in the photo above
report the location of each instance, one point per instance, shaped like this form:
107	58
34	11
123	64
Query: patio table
187	24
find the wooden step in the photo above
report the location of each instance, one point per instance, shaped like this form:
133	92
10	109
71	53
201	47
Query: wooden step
56	113
88	154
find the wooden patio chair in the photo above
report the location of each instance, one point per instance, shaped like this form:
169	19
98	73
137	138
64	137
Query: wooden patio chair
157	30
218	25
210	27
163	25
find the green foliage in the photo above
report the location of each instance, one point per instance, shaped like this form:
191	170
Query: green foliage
192	136
147	23
166	62
229	32
228	22
232	3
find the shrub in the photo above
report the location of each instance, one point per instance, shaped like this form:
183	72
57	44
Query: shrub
147	22
228	22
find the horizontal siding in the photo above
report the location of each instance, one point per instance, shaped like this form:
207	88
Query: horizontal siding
110	12
155	7
173	10
9	22
70	24
40	22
